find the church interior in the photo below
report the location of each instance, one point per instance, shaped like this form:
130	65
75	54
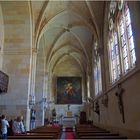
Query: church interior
74	63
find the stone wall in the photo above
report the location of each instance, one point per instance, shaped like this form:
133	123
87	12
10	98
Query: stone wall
15	58
110	117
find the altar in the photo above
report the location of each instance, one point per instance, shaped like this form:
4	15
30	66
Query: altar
69	114
69	121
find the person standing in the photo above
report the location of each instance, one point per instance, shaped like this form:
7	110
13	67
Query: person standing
4	126
18	127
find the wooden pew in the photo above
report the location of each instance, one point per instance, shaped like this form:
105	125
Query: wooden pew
46	129
93	132
86	126
31	137
97	134
39	133
102	137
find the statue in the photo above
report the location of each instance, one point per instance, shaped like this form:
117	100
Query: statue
119	94
68	106
90	102
54	112
97	109
105	100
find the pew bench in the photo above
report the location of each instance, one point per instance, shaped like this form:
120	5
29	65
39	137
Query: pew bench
31	137
102	137
97	134
39	133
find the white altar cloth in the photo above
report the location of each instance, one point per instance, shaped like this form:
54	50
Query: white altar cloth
69	121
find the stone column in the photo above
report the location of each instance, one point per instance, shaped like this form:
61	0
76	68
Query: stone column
89	82
31	85
1	37
1	59
49	95
84	87
45	96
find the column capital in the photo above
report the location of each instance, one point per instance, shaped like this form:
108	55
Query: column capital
34	50
89	71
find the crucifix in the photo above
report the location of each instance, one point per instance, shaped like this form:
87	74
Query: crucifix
119	95
68	106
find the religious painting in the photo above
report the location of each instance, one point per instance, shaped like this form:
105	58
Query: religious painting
69	90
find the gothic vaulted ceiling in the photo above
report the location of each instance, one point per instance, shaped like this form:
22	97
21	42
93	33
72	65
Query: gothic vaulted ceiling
66	31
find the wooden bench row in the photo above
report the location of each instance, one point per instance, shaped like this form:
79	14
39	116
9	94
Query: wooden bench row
31	137
39	133
93	132
102	137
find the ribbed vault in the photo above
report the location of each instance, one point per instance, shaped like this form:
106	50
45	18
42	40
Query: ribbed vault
66	30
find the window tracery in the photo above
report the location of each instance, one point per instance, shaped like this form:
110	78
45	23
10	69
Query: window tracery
121	46
97	70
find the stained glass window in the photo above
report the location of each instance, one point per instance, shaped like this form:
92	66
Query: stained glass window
130	37
114	57
96	80
97	73
121	44
127	40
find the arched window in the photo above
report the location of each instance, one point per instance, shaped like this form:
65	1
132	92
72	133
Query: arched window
114	56
121	46
126	39
97	71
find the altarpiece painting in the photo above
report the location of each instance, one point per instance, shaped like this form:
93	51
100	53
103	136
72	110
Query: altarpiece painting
69	90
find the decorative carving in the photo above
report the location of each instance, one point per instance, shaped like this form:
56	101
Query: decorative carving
97	108
119	95
69	26
111	24
67	29
91	102
113	5
100	51
105	100
120	4
34	50
90	99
